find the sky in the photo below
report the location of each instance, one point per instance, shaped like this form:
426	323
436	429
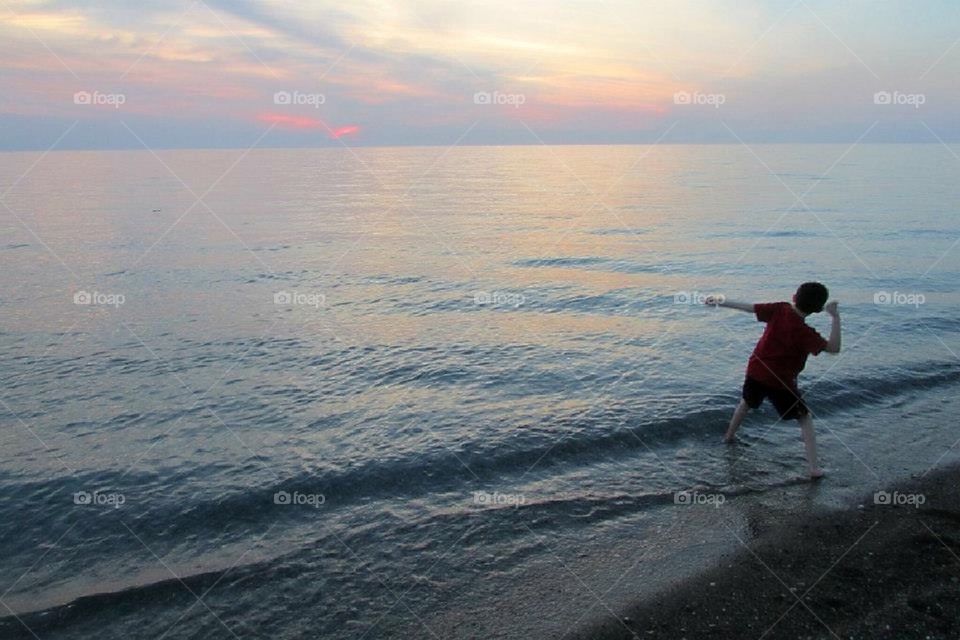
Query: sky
272	73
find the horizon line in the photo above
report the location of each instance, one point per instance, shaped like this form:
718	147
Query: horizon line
445	146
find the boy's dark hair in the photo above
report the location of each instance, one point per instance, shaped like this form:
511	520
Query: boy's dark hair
811	296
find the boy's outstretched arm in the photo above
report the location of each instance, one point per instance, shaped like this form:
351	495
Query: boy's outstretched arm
833	342
720	301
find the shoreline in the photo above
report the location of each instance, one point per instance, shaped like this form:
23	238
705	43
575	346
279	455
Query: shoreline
870	571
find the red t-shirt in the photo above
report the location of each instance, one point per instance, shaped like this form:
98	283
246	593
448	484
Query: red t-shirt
782	351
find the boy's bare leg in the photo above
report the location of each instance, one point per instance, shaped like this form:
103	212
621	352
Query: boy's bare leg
738	414
810	446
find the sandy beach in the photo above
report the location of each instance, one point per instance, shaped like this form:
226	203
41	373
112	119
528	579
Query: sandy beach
879	570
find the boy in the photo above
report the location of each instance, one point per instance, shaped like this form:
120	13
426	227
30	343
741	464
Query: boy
780	356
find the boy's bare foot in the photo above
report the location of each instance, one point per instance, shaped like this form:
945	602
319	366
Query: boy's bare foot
816	474
729	439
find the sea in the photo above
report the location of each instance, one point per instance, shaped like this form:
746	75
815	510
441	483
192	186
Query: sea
442	392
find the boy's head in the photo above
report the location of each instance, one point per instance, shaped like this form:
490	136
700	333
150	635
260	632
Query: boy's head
810	297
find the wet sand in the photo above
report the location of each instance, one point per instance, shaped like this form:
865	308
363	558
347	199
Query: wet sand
874	571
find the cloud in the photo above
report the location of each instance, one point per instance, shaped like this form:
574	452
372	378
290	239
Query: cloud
407	72
326	32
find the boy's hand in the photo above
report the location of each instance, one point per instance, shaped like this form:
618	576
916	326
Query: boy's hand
713	301
831	308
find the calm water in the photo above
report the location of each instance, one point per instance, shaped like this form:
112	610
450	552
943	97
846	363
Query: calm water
428	392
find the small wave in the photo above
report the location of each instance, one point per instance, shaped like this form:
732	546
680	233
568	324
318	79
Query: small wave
949	324
618	232
584	443
919	233
606	264
291	276
571	440
392	279
124	600
476	523
609	303
796	233
561	262
796	209
883	384
436	472
629	266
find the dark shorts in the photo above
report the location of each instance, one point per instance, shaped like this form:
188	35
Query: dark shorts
788	402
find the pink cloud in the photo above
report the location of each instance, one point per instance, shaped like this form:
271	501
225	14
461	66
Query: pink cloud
339	132
307	123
